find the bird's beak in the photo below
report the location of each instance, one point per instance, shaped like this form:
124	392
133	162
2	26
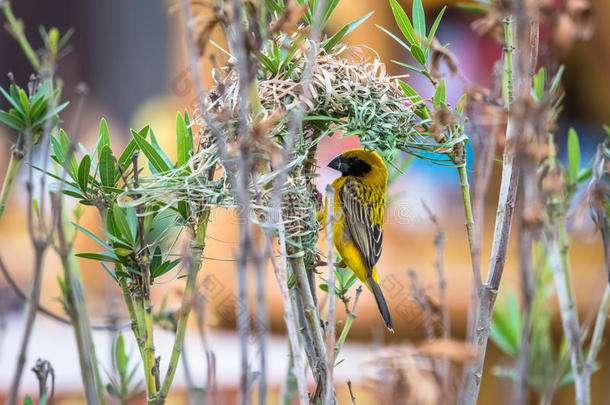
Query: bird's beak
339	164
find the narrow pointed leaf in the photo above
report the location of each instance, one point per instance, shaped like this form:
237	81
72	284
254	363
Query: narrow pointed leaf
183	141
120	220
395	38
335	39
418	54
419	20
155	144
107	167
83	173
573	153
92	236
435	25
439	94
125	158
100	257
403	22
103	138
151	154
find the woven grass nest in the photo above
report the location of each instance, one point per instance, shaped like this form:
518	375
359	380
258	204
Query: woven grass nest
349	93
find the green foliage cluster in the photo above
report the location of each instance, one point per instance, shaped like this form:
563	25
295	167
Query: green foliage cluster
99	179
122	385
28	113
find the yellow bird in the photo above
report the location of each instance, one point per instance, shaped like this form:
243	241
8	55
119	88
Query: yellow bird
359	208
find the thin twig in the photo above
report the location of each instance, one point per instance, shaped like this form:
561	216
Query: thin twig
16	28
261	324
75	303
508	192
484	147
40	238
351	394
598	331
281	275
330	329
143	302
520	391
559	263
193	264
439	244
348	322
420	298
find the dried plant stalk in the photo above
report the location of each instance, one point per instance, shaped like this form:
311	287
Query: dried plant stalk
506	202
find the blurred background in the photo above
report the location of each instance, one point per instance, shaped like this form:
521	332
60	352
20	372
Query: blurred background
131	55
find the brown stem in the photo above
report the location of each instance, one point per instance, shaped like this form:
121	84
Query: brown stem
39	251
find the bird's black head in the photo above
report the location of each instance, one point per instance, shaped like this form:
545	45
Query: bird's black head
350	166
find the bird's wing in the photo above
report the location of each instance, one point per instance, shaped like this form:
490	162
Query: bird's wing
366	233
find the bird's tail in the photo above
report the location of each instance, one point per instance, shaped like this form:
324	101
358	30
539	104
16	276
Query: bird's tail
381	304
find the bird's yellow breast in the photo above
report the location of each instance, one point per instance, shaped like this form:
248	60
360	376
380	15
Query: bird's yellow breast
347	249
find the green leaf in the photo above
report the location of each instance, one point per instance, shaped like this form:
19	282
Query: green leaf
13	100
27	400
539	80
407	47
422	111
188	125
330	6
110	272
183	141
350	281
403	22
122	252
120	356
58	151
51	114
439	94
472	7
65	144
556	79
268	63
334	40
92	236
107	167
156	259
125	158
419	20
12	121
418	54
39	104
164	268
409	92
112	390
506	326
584	175
25	103
103	138
274	8
435	25
151	154
459	107
183	209
83	173
120	220
573	154
155	144
132	221
101	257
